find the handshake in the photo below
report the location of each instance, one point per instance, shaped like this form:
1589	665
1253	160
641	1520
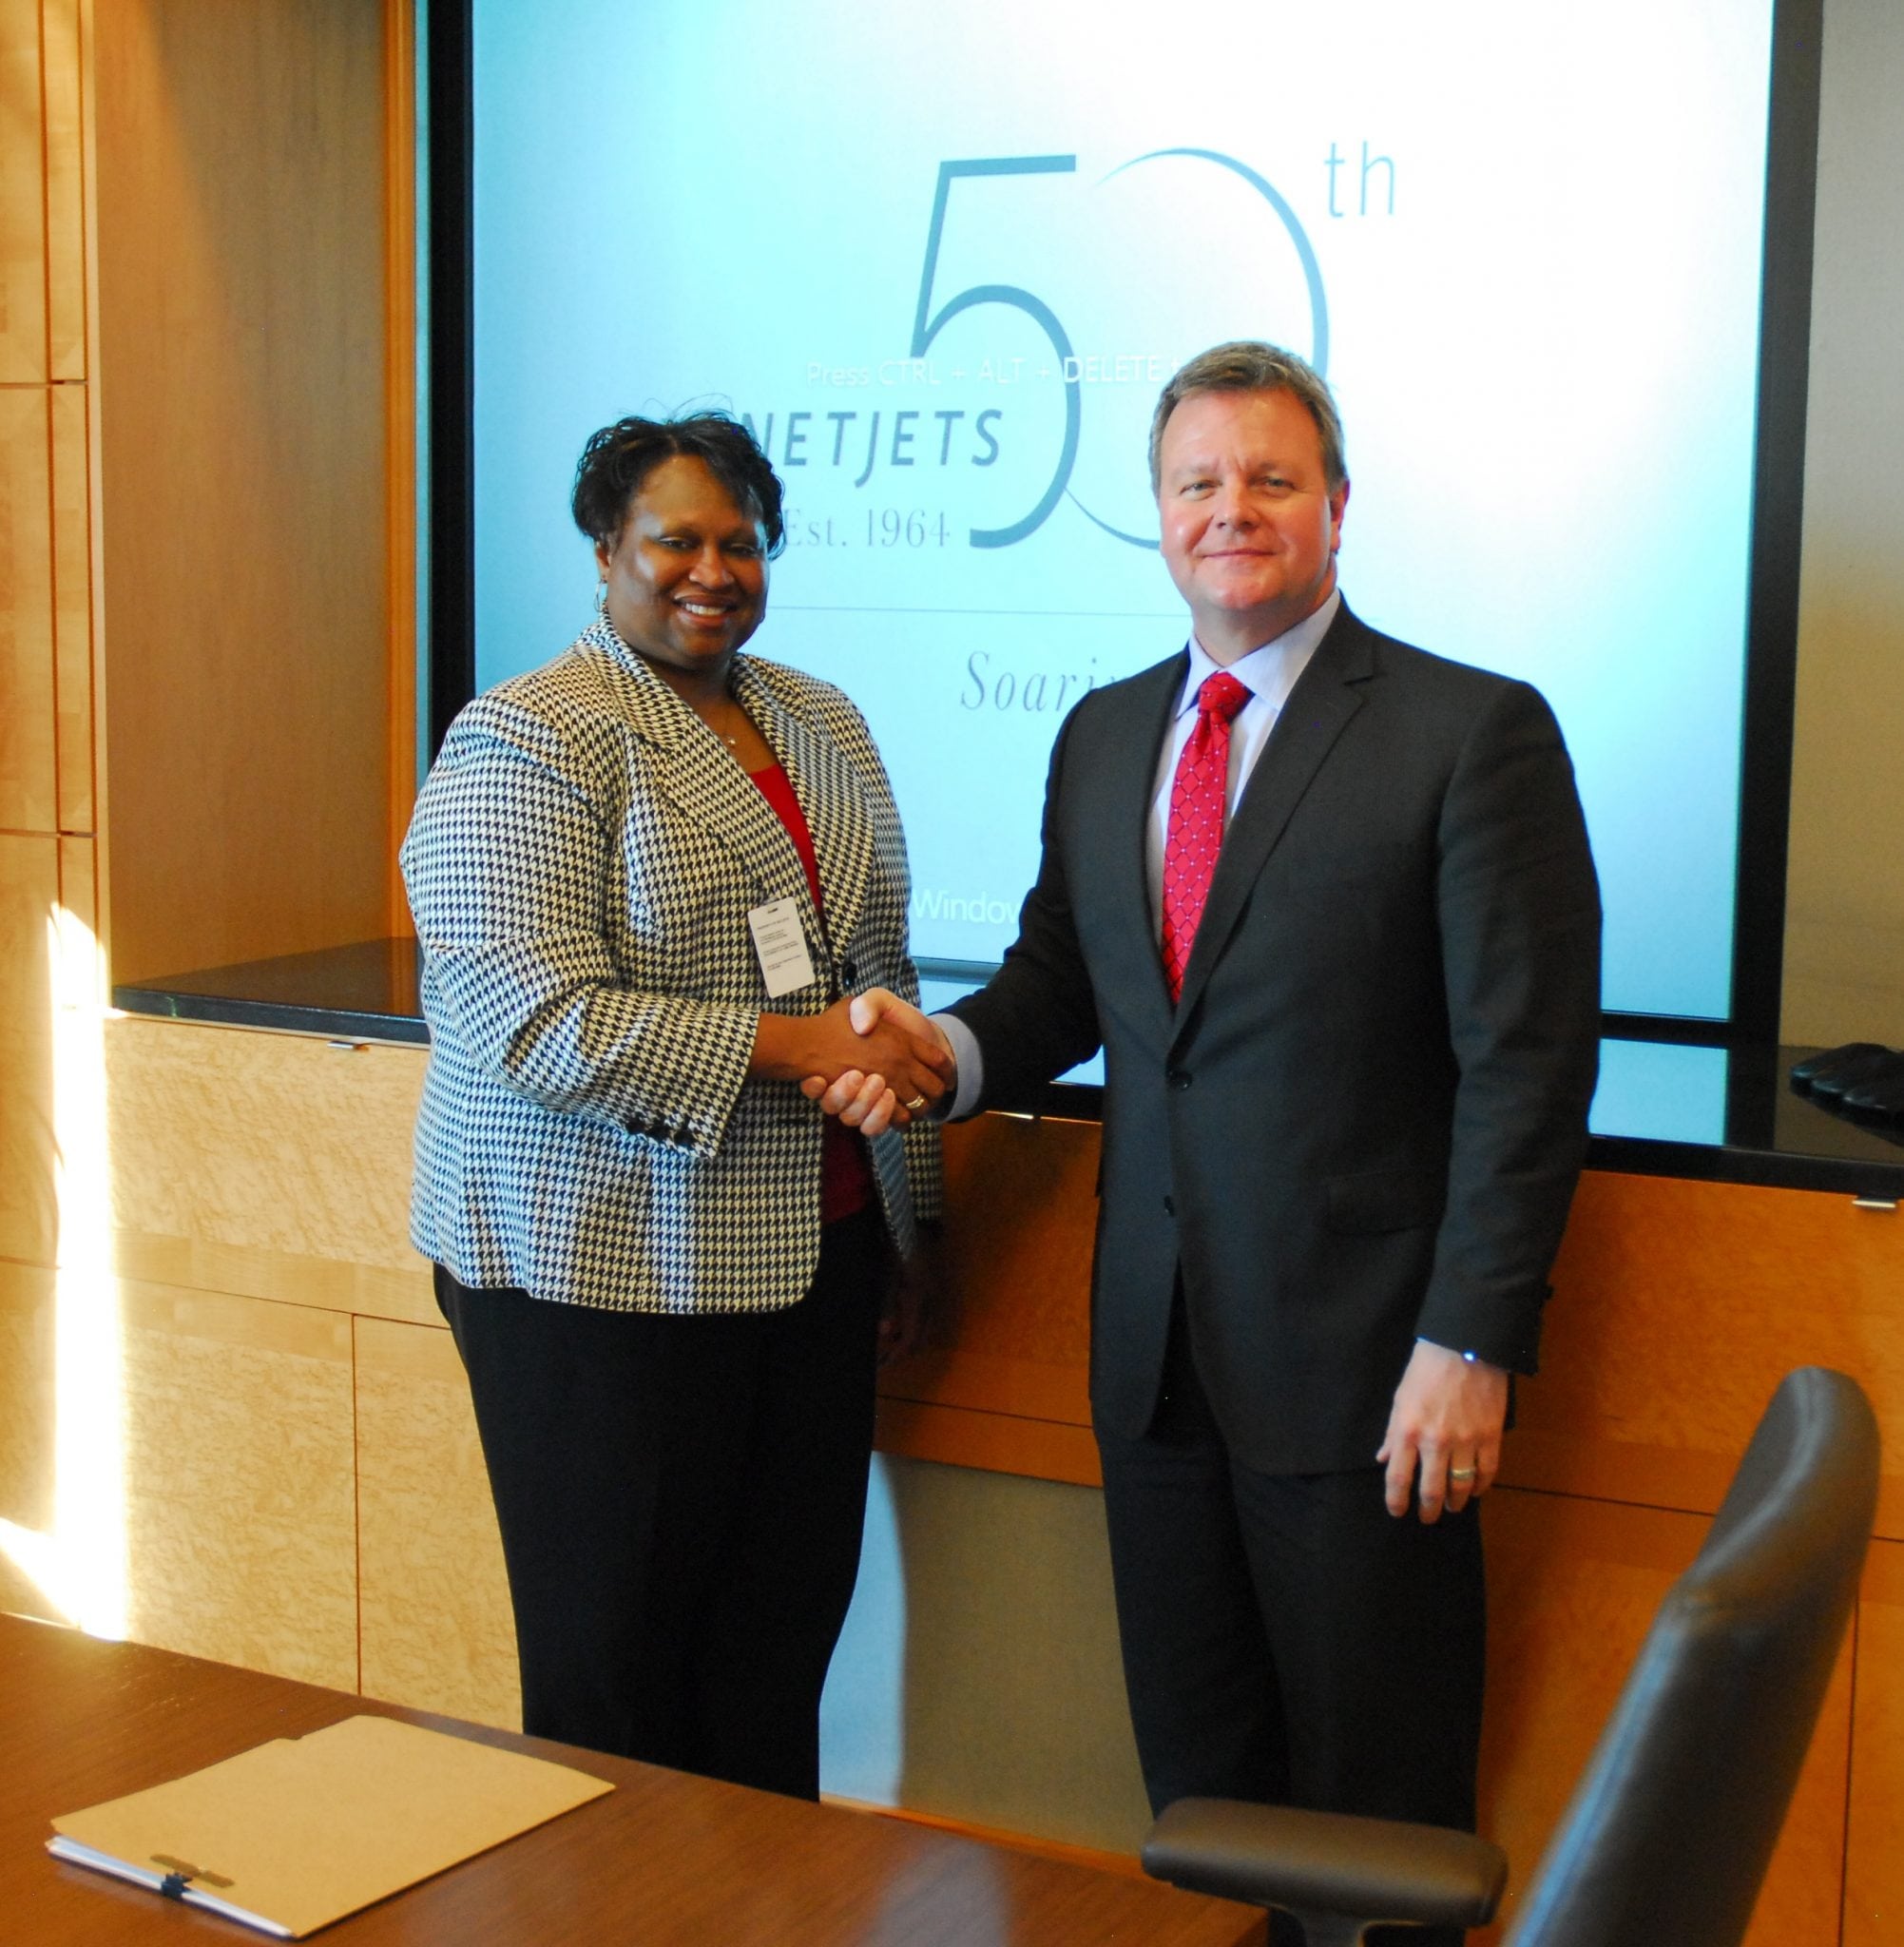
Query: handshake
873	1060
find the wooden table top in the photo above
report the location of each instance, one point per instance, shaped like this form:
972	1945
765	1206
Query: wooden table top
664	1858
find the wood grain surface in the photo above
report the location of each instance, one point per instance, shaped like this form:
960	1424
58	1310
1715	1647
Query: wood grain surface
241	1515
1677	1308
23	237
29	1421
239	199
433	1611
400	478
61	90
1005	1386
72	608
1874	1892
29	879
29	794
665	1858
276	1166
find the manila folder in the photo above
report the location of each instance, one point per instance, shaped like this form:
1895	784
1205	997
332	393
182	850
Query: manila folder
301	1831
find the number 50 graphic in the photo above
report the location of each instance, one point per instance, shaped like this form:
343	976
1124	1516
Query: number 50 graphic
927	323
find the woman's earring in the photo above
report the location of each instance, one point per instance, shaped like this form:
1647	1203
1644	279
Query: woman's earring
602	596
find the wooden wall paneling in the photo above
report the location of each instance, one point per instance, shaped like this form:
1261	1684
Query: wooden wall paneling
996	1442
28	891
1014	1266
240	1481
1874	1892
248	1271
433	1601
27	1427
239	185
78	896
72	609
1005	1386
276	1165
1572	1589
66	191
1680	1306
23	235
27	797
400	429
95	577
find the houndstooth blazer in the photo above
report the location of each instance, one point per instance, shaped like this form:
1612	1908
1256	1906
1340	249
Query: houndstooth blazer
580	865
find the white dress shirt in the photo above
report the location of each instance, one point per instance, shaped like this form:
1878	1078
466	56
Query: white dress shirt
1269	674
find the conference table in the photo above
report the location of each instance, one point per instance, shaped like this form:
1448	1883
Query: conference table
664	1858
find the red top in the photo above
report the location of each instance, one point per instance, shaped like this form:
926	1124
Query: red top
845	1170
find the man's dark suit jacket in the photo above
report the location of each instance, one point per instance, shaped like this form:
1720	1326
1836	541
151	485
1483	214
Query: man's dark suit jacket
1364	1120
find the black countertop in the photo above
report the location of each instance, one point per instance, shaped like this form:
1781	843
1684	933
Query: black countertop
363	993
1663	1109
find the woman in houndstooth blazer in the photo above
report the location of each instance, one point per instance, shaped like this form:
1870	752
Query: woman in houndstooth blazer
644	878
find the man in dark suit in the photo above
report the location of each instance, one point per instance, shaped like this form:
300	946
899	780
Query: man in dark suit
1326	902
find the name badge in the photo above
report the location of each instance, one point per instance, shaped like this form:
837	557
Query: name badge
781	942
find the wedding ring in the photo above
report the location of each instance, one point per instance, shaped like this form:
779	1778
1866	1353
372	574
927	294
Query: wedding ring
1460	1474
917	1103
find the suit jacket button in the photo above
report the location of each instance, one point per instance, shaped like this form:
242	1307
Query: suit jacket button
1169	1206
1178	1078
847	973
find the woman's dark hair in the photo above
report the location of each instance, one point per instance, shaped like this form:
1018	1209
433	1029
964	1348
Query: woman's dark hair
617	461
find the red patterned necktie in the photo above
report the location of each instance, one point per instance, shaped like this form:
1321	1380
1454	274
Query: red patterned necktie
1195	834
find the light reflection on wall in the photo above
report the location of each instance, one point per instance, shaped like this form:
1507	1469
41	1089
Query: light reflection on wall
80	1566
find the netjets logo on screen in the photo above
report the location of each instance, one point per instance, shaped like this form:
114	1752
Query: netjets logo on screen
890	448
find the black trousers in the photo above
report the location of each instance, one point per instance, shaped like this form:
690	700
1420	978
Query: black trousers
1285	1639
681	1501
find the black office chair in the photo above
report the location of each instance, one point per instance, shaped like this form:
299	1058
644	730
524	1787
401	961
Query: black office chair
1670	1829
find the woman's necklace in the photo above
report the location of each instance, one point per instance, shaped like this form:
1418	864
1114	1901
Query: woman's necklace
730	738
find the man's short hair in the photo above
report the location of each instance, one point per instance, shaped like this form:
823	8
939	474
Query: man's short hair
1249	365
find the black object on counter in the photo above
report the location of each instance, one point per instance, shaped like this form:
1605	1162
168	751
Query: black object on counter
1850	1073
1828	1061
1860	1078
1881	1093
